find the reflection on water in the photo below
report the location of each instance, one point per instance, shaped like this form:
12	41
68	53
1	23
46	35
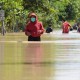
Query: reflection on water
56	60
33	53
67	63
29	63
41	68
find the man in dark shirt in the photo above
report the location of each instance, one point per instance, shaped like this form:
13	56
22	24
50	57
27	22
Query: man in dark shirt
49	29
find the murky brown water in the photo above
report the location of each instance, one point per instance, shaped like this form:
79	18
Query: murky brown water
58	59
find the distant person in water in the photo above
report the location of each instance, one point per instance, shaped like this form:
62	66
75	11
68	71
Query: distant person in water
78	27
34	29
49	29
65	26
75	25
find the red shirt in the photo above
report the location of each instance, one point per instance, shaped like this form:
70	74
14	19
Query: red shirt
33	28
65	27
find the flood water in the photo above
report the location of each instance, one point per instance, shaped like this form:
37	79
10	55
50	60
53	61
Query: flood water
56	57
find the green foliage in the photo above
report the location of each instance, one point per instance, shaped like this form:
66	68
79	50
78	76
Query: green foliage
48	11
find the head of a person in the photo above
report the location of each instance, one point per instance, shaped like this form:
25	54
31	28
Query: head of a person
33	17
63	20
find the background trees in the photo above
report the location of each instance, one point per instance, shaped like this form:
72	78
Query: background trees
49	11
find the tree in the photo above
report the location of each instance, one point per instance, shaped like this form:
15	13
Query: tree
49	11
13	13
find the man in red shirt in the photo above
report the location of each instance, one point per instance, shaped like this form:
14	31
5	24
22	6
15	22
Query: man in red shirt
65	26
34	29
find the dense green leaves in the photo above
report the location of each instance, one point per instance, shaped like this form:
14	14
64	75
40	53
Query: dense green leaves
54	10
48	11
